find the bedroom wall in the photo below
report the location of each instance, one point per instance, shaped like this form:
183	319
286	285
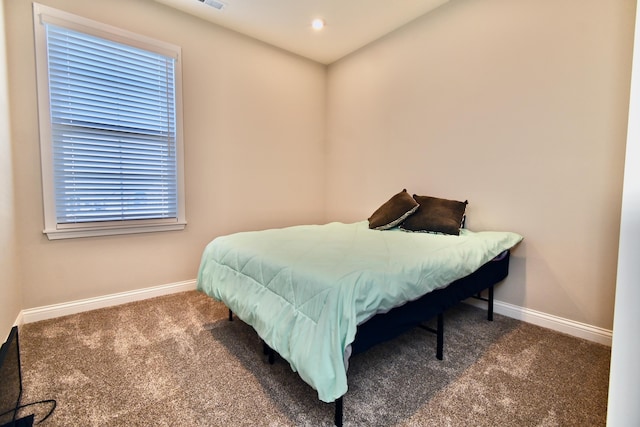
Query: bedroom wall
254	121
10	291
519	107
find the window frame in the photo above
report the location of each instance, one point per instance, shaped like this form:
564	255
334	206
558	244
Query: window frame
52	228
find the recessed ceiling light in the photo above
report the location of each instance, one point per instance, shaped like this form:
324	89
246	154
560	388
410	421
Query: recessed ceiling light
317	24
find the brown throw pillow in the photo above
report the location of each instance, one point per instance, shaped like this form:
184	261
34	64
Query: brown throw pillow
436	215
393	211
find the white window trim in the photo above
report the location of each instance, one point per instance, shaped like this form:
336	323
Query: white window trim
52	229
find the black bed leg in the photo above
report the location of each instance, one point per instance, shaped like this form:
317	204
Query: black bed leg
338	416
230	315
490	303
440	337
269	352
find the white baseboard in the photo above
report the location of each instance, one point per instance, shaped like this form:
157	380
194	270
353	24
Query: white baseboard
57	310
559	324
569	327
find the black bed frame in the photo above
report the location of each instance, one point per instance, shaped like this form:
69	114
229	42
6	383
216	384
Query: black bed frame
386	326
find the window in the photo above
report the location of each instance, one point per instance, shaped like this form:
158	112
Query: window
110	128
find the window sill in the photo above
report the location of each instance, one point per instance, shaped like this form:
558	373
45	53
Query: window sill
55	234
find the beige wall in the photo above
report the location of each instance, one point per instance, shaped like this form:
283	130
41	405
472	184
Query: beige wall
10	290
519	107
254	127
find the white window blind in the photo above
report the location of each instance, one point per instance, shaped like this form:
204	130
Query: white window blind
113	128
113	132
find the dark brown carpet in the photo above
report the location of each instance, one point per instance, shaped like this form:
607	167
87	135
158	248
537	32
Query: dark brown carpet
176	360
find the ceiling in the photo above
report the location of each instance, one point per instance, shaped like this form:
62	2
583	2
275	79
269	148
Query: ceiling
350	24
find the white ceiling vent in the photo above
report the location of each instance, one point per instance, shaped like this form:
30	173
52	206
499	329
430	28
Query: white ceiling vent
214	3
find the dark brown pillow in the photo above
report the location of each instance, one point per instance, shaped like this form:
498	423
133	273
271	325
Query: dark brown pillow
393	211
436	216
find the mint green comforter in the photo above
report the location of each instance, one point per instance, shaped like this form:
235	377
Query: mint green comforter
305	289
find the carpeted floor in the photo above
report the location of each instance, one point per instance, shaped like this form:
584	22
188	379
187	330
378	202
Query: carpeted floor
176	360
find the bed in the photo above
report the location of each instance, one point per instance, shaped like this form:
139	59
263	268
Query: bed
310	290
